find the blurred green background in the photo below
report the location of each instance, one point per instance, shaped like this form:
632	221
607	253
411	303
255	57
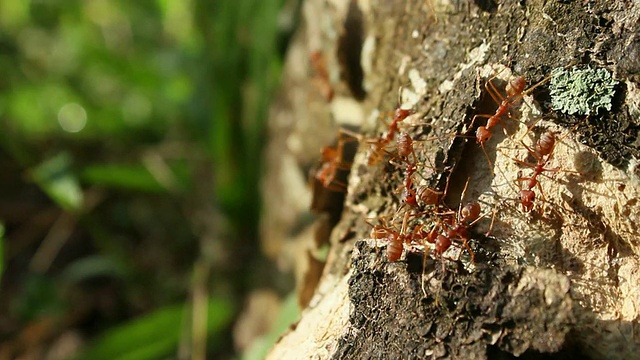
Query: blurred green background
131	134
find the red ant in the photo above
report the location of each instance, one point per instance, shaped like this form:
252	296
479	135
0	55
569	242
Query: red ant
515	90
378	146
410	196
543	153
321	80
331	159
449	229
425	194
458	228
394	238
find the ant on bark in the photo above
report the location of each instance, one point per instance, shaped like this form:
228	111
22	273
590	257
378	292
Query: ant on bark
515	91
332	161
453	228
406	154
379	145
318	63
543	153
395	239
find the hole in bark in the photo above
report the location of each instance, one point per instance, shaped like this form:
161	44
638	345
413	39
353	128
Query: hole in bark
350	50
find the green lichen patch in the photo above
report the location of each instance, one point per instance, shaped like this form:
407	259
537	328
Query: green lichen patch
581	91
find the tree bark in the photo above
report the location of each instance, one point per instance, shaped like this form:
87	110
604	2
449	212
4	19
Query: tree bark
558	281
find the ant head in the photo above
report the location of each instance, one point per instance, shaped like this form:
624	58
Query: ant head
482	134
328	153
527	197
409	197
378	232
402	114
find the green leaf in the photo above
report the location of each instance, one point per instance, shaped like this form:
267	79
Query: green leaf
128	177
91	267
54	176
155	335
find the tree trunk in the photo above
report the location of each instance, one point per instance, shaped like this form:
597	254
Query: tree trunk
559	280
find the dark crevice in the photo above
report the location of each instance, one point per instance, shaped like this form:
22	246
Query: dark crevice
350	50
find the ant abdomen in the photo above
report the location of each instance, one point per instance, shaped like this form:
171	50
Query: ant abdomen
394	249
516	86
546	143
428	196
470	212
442	244
404	145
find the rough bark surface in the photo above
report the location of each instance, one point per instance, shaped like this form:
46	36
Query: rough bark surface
560	281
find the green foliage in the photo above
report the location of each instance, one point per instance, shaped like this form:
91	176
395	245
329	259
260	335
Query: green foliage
56	178
145	119
132	177
92	267
155	335
581	91
40	297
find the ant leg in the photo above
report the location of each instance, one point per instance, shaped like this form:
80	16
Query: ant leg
493	91
466	246
532	87
473	120
486	154
543	198
352	134
336	186
523	163
493	218
573	128
529	128
446	186
464	192
480	218
533	152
